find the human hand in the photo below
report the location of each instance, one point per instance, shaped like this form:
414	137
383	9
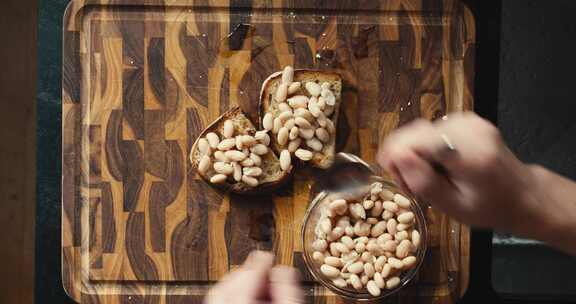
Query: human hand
485	184
258	281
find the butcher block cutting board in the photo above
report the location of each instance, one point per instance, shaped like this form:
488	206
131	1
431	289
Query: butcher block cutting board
142	78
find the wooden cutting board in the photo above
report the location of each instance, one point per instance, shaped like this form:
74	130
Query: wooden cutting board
142	78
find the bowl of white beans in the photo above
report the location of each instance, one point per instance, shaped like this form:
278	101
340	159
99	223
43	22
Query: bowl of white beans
366	244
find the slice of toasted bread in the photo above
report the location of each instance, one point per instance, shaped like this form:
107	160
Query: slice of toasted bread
325	157
272	175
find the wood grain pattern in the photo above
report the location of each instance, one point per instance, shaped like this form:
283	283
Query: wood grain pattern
141	81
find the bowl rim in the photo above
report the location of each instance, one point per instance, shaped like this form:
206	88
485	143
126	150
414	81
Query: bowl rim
364	296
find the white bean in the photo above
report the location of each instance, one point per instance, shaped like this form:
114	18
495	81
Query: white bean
401	200
329	271
392	282
346	240
355	282
378	229
213	139
288	74
357	211
223	168
356	268
406	217
361	228
386	269
349	231
294	132
249	180
294	87
303	123
415	239
219	156
390	206
281	92
285	116
386	195
237	171
263	137
376	211
204	147
256	159
276	125
204	164
364	279
248	140
252	171
373	288
318	256
268	121
313	88
228	128
360	247
379	264
409	262
395	263
289	124
227	144
340	282
372	221
259	149
330	126
283	107
283	136
285	160
325	225
335	234
218	178
369	269
379	280
401	235
294	145
304	113
333	261
239	143
298	101
389	246
391	226
304	155
338	206
320	245
314	144
386	215
403	249
306	133
235	155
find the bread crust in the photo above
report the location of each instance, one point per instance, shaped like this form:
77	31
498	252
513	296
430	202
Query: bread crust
325	158
268	184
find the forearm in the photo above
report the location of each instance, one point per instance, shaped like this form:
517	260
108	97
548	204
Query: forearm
555	202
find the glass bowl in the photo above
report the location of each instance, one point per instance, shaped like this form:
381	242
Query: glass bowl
318	208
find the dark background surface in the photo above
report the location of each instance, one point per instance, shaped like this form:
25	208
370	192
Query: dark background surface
535	113
536	116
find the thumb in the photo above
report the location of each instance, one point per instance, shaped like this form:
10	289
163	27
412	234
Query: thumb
285	286
253	281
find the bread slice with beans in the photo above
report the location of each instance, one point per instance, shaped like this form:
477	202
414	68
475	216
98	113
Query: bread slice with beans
301	86
214	162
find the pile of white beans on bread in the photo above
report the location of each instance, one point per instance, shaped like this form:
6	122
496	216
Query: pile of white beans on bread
368	244
303	125
237	157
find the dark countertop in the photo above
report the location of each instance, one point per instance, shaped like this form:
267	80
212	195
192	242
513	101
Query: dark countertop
535	111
